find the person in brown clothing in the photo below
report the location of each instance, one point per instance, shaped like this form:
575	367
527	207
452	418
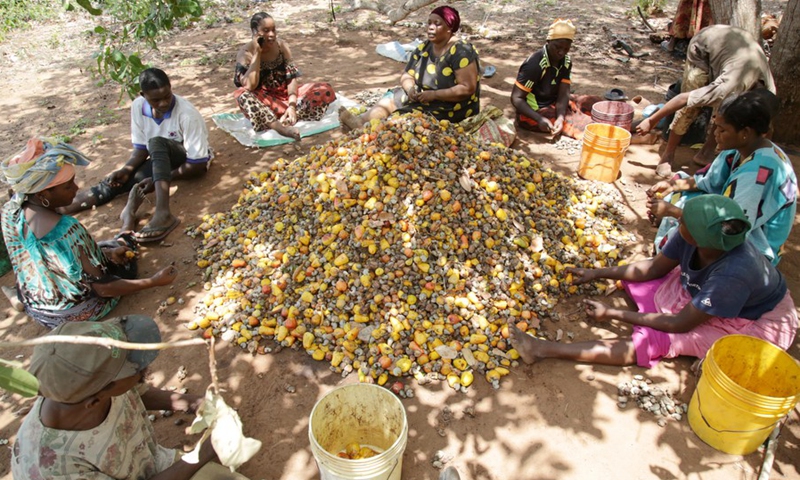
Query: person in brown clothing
721	61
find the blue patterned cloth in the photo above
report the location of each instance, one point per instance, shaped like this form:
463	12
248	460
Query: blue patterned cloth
51	280
764	184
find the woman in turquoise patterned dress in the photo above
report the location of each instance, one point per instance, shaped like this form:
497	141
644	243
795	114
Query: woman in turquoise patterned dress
750	169
442	78
62	273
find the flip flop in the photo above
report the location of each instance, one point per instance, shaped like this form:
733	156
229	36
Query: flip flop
161	236
129	239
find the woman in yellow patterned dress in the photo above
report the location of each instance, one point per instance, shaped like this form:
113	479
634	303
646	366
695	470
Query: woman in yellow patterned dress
442	78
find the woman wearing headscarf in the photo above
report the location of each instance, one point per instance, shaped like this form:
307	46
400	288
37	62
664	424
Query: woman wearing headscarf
700	288
541	94
441	78
62	273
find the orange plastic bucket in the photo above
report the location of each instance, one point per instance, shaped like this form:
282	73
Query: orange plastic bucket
604	147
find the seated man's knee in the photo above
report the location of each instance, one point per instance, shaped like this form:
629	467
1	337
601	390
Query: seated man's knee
158	143
195	169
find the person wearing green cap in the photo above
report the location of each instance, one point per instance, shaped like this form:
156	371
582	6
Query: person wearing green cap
706	283
90	421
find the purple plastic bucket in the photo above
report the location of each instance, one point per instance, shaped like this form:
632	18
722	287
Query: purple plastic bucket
619	114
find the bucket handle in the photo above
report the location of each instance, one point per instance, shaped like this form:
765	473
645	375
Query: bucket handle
396	461
700	409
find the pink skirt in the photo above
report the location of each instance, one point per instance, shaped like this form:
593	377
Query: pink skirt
778	326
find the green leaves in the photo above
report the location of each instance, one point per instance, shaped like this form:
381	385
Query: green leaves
130	25
15	379
114	65
19	14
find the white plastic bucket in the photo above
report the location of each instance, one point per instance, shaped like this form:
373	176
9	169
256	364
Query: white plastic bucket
366	414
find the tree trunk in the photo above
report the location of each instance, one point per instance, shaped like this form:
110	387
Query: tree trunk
745	14
785	65
394	11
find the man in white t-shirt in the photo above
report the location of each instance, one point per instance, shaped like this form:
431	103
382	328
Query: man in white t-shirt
170	142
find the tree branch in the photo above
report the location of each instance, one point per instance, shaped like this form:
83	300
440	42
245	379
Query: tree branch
212	366
395	14
366	5
102	342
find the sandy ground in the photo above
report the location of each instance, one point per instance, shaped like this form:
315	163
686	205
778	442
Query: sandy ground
553	420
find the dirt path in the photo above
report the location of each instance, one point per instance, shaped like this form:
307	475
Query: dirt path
553	420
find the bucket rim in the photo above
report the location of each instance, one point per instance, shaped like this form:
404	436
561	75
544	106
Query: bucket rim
616	103
767	398
626	134
735	390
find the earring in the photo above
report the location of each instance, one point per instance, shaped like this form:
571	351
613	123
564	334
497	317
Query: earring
45	203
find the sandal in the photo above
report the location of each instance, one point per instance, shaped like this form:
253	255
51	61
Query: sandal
128	239
161	232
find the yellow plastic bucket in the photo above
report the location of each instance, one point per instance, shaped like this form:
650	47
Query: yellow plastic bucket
604	146
747	386
367	414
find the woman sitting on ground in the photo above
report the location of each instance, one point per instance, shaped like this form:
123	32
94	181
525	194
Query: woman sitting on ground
693	305
442	78
268	91
62	274
751	169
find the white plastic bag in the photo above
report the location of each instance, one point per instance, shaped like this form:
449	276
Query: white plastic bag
397	51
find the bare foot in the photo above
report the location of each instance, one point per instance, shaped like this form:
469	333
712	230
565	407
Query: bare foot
697	367
11	294
703	158
658	209
348	120
525	344
286	130
128	215
664	170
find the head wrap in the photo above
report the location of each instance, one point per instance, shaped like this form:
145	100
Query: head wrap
561	29
64	175
70	372
449	15
703	217
40	166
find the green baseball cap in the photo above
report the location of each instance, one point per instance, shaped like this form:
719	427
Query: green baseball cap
70	373
703	217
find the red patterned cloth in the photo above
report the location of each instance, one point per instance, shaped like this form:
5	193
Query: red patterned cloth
578	115
690	17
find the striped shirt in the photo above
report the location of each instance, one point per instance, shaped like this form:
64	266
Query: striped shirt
541	80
